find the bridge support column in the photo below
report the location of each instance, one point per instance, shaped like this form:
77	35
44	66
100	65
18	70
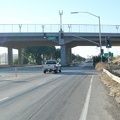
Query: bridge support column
69	55
20	57
10	56
63	55
66	58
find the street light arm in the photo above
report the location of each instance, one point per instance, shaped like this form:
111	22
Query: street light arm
90	14
74	12
99	28
85	12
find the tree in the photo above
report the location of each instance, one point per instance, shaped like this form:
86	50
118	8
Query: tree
15	62
36	54
33	53
57	54
97	59
77	58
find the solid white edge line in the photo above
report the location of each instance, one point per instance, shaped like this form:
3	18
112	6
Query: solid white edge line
86	104
38	84
3	99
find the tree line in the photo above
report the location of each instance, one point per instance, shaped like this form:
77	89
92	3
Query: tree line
38	54
97	59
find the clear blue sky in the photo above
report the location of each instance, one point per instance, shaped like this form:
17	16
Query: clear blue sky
47	12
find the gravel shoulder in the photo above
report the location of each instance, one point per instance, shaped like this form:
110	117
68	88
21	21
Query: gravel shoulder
113	89
113	86
102	105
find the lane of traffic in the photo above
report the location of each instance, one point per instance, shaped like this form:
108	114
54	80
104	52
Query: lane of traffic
19	85
23	100
52	102
61	97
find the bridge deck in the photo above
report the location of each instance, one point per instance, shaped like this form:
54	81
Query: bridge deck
16	40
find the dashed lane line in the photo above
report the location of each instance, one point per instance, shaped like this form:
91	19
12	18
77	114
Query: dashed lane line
3	99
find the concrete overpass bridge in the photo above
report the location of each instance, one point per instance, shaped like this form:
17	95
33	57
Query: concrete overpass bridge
21	36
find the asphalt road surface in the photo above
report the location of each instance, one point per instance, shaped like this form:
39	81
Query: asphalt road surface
76	93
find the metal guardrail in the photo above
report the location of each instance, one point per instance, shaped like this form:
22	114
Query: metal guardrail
6	28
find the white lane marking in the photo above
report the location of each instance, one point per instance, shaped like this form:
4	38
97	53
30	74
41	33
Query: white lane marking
85	108
3	99
39	84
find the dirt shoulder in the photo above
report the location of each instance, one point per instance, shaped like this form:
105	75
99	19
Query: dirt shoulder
110	83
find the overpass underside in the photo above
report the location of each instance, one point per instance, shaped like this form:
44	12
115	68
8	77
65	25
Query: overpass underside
70	40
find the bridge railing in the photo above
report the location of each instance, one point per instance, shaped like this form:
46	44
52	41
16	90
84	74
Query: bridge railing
5	28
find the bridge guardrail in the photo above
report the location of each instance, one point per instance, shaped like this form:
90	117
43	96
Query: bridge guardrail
5	28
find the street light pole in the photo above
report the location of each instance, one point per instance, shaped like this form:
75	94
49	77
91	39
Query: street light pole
60	13
100	37
99	29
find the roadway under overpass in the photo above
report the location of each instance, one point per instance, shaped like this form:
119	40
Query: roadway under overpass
21	40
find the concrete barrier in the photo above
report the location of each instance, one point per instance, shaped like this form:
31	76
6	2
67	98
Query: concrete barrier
115	78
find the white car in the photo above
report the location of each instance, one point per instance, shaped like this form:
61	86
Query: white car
51	65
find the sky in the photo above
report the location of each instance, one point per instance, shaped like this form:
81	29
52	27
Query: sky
47	12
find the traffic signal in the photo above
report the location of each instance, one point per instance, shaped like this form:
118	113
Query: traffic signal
108	42
62	35
44	35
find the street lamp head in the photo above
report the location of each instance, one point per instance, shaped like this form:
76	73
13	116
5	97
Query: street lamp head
74	12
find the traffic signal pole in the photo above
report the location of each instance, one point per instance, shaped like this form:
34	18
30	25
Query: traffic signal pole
108	45
108	59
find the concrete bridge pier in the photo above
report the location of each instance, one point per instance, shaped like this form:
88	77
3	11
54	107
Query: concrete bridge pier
65	50
65	55
20	57
68	55
10	56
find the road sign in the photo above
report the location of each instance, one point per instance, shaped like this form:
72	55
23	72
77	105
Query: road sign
51	38
110	54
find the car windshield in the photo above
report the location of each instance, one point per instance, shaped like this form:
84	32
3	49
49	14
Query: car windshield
51	62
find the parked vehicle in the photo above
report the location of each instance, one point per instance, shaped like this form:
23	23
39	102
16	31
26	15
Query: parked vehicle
51	66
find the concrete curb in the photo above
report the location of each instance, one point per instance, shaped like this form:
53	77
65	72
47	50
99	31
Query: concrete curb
115	78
